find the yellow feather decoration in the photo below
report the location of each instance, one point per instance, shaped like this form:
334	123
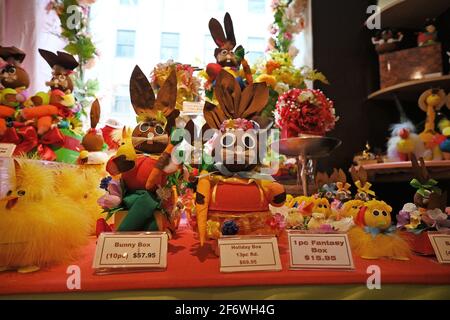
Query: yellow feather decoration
43	227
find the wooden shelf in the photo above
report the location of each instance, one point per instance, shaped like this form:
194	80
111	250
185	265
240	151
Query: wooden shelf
402	171
409	13
411	90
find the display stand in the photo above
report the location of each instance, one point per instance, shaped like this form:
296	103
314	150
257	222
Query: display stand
306	150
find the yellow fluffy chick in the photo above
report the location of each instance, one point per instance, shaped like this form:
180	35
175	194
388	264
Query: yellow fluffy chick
375	237
294	218
38	226
316	221
351	208
322	205
81	184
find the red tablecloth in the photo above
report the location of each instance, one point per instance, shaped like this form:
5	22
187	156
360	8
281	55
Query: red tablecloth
190	266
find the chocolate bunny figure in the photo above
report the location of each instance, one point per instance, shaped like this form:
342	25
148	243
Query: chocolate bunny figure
93	140
14	80
13	76
225	41
62	64
428	195
143	159
363	191
237	199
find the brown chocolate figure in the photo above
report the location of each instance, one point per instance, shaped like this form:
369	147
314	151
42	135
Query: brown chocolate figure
13	76
93	140
62	64
156	115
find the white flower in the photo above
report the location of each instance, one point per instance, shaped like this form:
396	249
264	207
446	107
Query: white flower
409	207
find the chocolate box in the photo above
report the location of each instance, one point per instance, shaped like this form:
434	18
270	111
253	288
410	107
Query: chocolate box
410	64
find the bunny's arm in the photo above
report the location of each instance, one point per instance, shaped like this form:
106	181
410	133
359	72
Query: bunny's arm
119	164
202	198
157	171
274	192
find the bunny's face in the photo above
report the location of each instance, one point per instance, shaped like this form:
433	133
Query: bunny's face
151	136
60	81
238	149
240	145
14	77
157	115
226	57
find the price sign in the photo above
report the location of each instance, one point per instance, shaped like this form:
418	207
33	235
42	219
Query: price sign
319	251
441	246
7	150
118	252
193	108
239	254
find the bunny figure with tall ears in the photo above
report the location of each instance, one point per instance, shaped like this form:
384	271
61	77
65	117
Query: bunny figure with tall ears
62	64
235	198
360	179
144	158
93	142
428	195
226	55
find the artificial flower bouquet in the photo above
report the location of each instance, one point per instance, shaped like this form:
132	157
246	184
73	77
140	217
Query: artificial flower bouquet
304	111
280	74
416	222
188	85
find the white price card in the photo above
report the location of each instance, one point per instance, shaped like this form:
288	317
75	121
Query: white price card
191	107
250	253
319	251
130	251
441	246
7	150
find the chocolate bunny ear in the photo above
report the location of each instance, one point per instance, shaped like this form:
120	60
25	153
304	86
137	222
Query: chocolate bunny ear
253	100
95	113
322	179
167	95
228	93
420	170
67	61
49	56
229	29
217	32
141	92
334	176
214	115
354	174
342	176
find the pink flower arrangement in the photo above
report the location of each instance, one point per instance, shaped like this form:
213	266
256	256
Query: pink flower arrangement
304	111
